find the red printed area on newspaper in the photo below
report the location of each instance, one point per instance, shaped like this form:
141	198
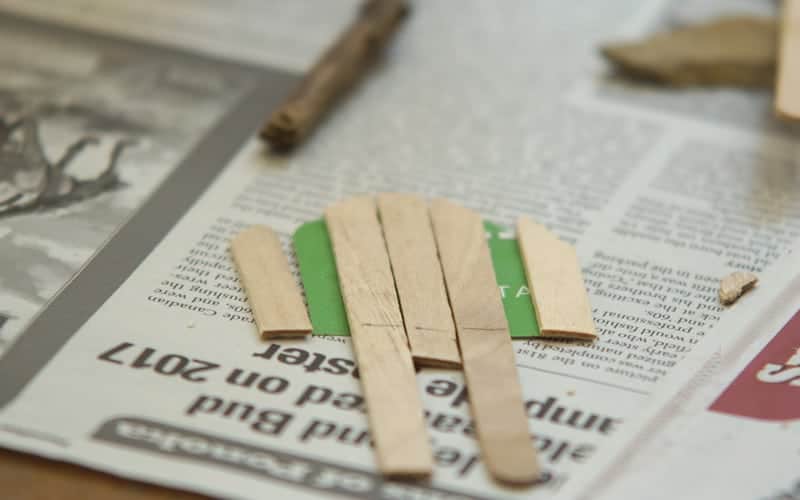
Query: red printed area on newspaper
769	387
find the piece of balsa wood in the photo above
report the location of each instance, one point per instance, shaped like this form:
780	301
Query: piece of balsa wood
418	276
787	92
271	289
487	354
556	283
394	407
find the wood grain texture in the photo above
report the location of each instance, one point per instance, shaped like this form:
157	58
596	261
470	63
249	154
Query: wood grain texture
487	354
376	329
418	276
556	283
271	289
787	92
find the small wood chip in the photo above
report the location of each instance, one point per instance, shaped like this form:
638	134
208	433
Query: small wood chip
734	285
734	51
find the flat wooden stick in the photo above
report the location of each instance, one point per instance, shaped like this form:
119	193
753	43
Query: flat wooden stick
339	68
271	289
556	283
486	352
787	92
387	372
418	276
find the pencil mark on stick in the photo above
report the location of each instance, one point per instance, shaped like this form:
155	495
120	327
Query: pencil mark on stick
427	329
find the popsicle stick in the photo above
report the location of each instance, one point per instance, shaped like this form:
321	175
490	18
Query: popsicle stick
556	283
271	289
376	327
418	276
486	352
787	92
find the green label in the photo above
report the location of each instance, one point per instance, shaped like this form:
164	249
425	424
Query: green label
326	308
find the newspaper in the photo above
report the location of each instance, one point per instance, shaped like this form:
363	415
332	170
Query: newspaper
115	118
661	192
275	33
726	425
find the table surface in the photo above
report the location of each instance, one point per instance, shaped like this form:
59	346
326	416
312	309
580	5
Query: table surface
29	477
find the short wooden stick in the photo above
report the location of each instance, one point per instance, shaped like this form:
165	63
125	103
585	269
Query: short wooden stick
386	370
271	289
487	355
556	283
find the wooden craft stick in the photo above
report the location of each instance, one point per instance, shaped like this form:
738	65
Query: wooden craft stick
787	92
376	328
418	276
339	68
487	355
271	289
556	283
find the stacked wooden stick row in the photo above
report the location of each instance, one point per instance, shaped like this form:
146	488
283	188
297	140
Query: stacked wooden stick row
418	285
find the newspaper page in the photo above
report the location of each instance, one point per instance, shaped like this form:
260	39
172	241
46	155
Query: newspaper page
662	192
112	118
726	425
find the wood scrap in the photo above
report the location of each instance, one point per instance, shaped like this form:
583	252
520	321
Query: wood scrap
734	51
339	68
787	91
734	285
487	354
272	291
555	282
418	276
386	369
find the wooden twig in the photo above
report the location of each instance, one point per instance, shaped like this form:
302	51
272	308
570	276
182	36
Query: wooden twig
271	289
418	276
339	68
556	283
394	407
487	355
787	92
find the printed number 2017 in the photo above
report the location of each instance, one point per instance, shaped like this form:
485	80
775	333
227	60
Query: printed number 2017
166	364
